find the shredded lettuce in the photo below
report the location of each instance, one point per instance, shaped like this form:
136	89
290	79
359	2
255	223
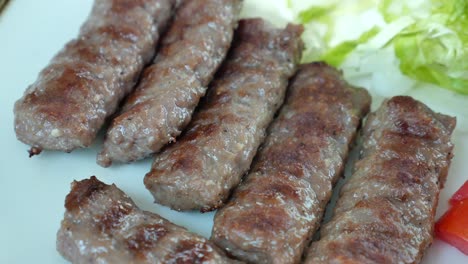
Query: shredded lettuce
435	48
327	24
432	48
314	13
336	55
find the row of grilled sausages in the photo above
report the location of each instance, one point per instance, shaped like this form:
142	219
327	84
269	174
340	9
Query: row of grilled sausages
386	210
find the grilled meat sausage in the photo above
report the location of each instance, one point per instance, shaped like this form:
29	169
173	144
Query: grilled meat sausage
274	212
385	213
83	84
103	225
163	103
210	158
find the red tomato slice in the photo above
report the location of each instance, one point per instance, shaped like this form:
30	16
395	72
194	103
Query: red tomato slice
452	227
460	195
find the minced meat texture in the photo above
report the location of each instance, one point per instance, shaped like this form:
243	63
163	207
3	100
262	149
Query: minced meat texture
84	83
217	148
170	89
273	214
385	213
103	225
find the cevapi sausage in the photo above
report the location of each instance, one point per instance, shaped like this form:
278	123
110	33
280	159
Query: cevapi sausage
163	103
272	215
210	158
386	210
83	84
103	225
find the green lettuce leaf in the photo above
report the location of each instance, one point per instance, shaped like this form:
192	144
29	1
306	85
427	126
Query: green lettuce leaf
321	23
336	55
435	48
314	13
432	49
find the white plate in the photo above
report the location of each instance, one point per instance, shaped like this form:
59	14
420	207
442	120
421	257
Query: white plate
33	193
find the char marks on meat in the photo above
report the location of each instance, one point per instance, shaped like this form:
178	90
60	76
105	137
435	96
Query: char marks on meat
386	210
272	215
103	225
163	103
218	146
83	84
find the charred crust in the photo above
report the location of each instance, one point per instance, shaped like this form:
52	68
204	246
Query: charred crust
114	216
257	31
405	144
81	191
292	157
412	118
406	128
33	151
371	248
123	6
145	238
404	102
313	123
282	188
408	178
201	131
71	83
265	220
83	50
190	252
124	33
364	249
184	159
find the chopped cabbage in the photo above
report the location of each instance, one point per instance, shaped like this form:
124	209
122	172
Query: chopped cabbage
335	56
401	47
434	49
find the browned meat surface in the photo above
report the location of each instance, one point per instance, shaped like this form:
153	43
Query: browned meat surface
210	158
103	225
83	84
273	214
385	213
163	103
